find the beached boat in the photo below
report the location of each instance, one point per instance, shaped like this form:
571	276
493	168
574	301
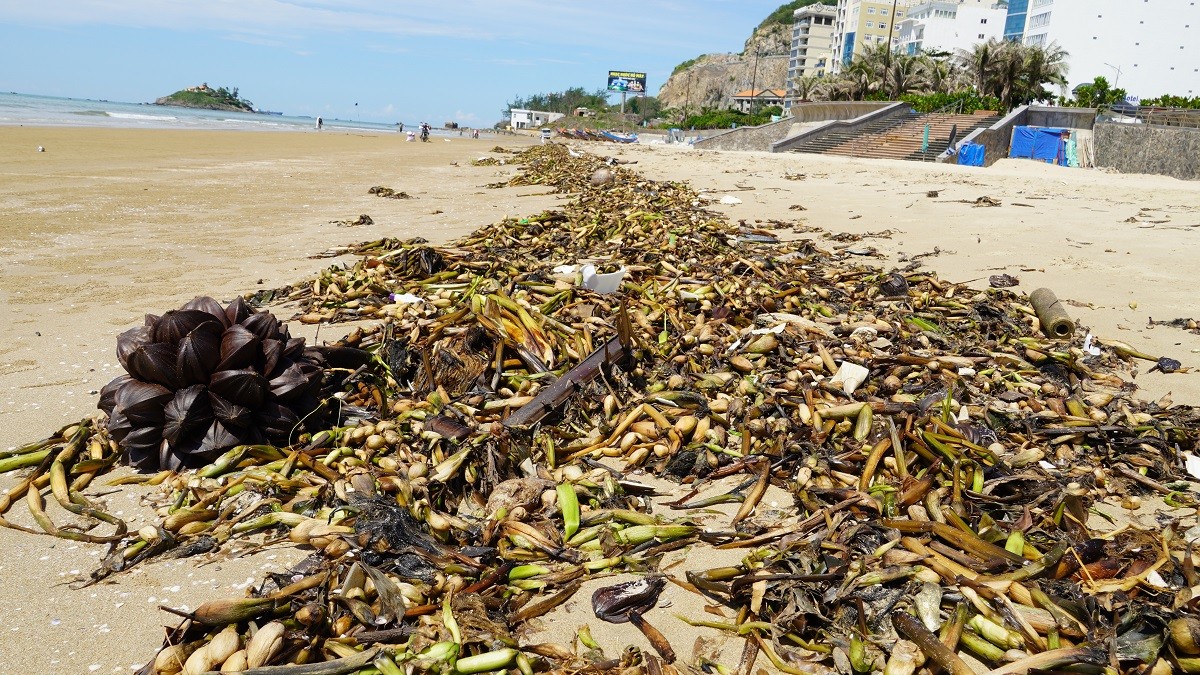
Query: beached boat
618	137
594	135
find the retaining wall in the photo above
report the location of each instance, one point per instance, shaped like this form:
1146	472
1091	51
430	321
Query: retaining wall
1064	118
761	138
1148	148
997	139
887	110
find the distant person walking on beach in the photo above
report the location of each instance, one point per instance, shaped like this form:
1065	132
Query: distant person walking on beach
320	123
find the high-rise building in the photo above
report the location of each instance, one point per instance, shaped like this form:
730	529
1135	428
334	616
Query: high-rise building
1014	24
950	25
1148	48
812	35
863	23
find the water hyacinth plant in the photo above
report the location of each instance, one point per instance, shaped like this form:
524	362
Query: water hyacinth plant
204	378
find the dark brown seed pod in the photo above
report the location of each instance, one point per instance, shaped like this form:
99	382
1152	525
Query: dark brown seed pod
195	387
615	603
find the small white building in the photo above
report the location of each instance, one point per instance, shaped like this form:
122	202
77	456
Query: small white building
753	100
950	25
532	119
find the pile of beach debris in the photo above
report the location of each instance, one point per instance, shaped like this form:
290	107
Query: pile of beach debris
526	383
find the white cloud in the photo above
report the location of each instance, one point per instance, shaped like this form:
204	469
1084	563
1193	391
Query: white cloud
633	25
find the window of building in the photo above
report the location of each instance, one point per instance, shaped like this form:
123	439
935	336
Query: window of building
870	24
870	10
983	21
981	36
1039	20
883	12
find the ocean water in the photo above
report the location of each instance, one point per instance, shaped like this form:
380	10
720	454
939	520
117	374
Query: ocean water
77	112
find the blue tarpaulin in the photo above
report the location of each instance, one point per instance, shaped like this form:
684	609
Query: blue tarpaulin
1043	143
971	154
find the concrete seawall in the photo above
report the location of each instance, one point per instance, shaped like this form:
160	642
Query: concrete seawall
805	116
1149	148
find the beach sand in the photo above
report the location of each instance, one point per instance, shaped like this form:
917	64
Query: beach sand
107	225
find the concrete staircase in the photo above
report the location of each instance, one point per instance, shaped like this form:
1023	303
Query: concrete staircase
898	136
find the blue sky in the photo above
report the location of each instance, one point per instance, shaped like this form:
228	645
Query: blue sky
460	61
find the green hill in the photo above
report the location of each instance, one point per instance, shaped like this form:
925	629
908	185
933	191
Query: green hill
208	98
783	15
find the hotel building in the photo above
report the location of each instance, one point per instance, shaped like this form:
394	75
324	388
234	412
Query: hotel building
1147	47
949	25
863	23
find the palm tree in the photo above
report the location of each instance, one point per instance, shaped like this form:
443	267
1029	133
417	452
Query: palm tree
873	64
844	87
942	76
980	63
904	74
1008	68
806	87
1042	66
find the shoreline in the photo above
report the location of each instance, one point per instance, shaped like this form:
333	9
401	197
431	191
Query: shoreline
103	230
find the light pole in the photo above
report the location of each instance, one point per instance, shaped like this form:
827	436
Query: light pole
754	82
892	25
1118	69
687	105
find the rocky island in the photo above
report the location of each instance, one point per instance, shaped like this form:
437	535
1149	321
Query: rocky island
204	96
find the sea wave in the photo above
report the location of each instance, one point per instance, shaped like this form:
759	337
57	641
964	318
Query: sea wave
135	116
89	113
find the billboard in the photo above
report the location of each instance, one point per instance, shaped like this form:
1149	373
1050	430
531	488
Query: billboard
621	80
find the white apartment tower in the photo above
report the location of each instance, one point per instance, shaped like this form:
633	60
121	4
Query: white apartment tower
950	25
1147	47
812	35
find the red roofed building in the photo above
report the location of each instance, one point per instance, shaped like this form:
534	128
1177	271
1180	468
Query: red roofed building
757	99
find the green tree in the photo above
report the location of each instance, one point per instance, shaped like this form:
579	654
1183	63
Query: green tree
561	101
941	75
1016	74
1170	101
686	64
1096	94
645	107
980	62
905	74
783	15
806	88
870	68
1041	66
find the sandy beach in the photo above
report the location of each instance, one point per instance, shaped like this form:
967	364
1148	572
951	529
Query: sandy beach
107	225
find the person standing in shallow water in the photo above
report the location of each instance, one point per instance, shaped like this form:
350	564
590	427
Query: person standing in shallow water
320	123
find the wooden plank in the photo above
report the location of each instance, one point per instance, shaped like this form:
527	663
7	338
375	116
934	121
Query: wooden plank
557	393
